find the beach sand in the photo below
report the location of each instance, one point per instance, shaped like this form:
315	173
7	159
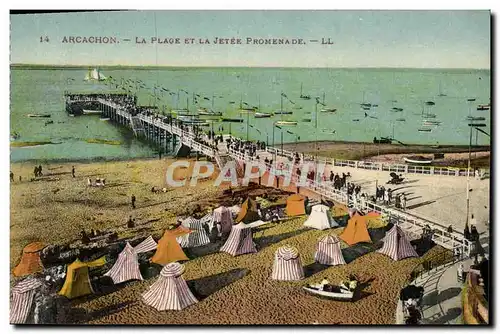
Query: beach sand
232	290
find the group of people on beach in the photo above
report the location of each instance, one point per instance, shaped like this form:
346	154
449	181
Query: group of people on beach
98	182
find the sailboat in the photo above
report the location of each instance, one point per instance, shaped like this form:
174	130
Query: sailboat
247	108
326	109
95	75
304	97
281	111
182	111
440	92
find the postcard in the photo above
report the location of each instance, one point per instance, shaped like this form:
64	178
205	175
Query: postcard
250	167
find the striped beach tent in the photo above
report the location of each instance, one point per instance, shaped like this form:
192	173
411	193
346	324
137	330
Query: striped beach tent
170	291
235	210
328	251
240	241
126	268
22	298
168	249
208	220
287	265
198	236
30	260
396	245
224	217
320	218
77	281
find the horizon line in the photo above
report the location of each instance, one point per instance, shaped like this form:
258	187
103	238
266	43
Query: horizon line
239	66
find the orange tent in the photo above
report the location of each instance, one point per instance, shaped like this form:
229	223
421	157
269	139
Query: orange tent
30	260
168	249
248	212
356	231
295	205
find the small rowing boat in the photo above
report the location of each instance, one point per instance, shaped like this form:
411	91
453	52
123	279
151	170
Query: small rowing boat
232	120
286	123
483	107
262	115
339	294
424	130
283	112
328	110
430	122
306	120
91	112
39	115
418	159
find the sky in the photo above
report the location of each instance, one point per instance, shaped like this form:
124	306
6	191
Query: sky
410	39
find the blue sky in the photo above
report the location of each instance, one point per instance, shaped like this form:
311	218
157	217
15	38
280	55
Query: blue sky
420	39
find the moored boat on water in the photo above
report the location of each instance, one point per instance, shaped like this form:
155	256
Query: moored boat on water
424	130
231	120
483	107
283	112
39	115
286	123
328	110
262	115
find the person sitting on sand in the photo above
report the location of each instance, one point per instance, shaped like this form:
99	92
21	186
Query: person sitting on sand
130	222
89	182
153	189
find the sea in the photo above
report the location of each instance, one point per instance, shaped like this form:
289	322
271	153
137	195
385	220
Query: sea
41	91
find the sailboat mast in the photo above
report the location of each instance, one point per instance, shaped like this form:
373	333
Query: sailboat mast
213	97
301	90
323	98
178	97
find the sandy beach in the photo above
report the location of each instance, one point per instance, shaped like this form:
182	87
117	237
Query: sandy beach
232	290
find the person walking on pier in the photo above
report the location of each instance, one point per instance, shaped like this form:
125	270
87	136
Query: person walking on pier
73	171
132	199
403	202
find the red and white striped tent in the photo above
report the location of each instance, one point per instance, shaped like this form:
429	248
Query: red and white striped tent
198	237
21	302
170	291
328	251
224	217
320	218
240	241
287	265
126	268
396	245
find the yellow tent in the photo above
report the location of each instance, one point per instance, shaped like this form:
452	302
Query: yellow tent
248	212
168	249
77	278
340	210
374	220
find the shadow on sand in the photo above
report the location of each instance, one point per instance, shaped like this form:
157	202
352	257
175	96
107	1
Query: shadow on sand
79	315
263	242
205	286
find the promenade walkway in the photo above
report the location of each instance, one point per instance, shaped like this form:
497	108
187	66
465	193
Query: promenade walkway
442	301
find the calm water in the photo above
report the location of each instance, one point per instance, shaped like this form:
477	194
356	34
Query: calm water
41	91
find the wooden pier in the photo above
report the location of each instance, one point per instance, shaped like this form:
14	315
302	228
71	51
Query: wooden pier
162	132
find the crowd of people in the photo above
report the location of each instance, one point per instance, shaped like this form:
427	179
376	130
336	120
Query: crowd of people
387	197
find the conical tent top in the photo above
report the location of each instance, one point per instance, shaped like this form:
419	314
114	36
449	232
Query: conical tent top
174	269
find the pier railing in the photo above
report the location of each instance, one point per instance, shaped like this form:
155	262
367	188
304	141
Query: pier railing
371	165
